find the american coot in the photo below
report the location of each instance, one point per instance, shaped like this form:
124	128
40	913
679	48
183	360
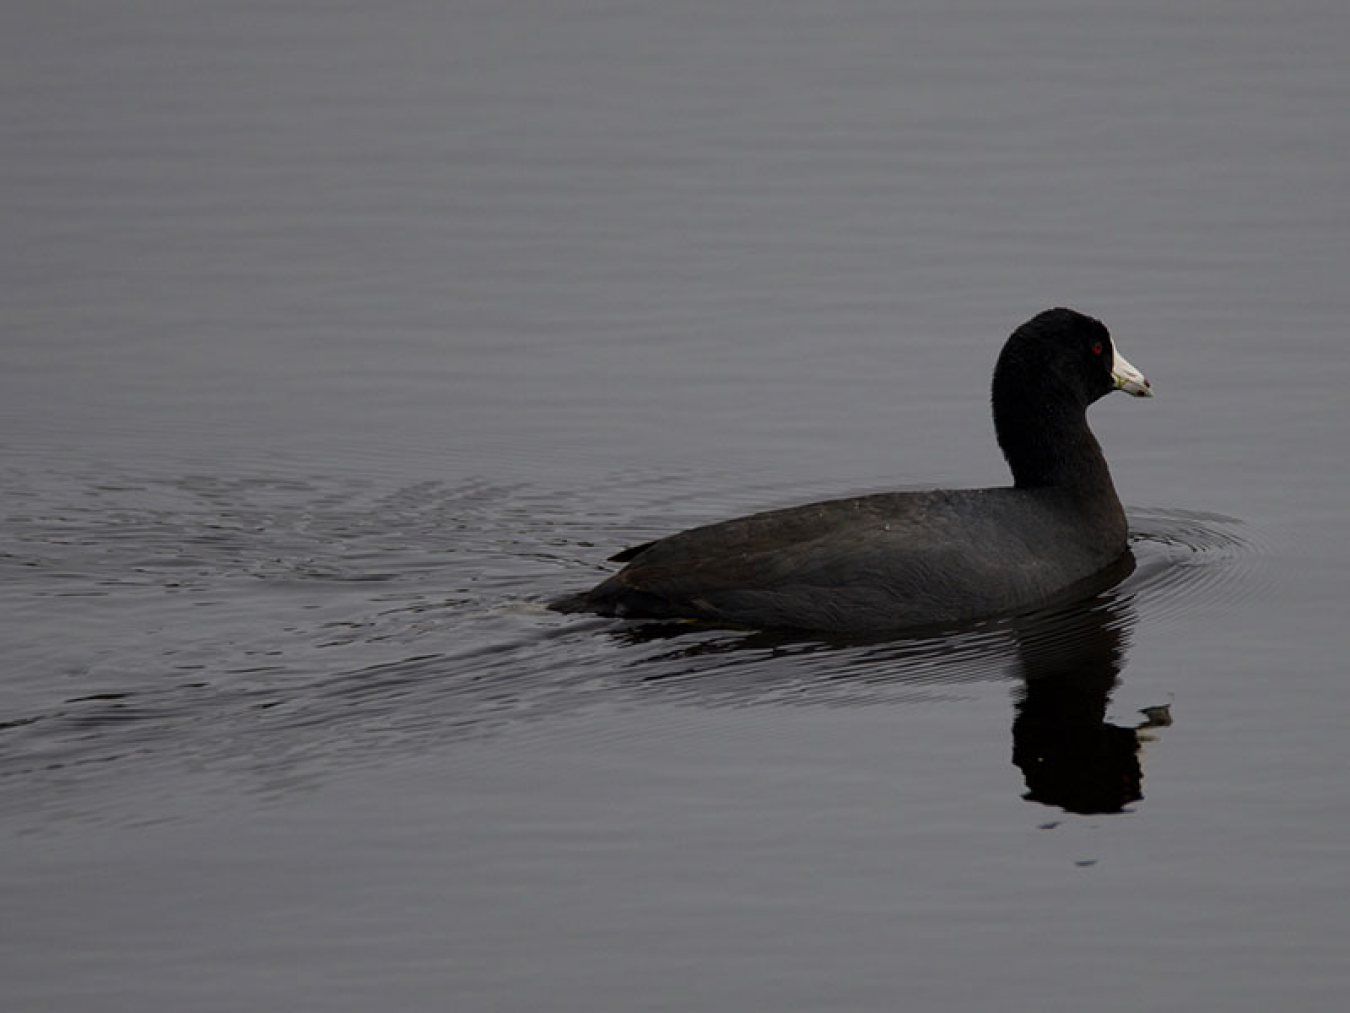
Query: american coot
904	560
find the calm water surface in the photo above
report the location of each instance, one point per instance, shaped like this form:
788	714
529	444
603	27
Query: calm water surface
336	341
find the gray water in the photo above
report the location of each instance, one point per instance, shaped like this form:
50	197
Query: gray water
337	339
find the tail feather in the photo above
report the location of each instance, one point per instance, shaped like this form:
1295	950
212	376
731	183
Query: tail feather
624	603
580	602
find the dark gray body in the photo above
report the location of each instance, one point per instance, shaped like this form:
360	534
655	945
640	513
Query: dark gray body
871	563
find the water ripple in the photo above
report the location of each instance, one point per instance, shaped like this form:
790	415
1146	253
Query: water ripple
1191	562
281	624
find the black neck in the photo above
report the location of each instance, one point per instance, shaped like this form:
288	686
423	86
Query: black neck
1051	446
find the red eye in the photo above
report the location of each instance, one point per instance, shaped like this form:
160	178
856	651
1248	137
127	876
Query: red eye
1097	348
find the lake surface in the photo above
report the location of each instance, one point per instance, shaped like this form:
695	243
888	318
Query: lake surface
337	340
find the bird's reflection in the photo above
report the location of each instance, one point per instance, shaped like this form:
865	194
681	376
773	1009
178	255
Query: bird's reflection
1068	660
1069	754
